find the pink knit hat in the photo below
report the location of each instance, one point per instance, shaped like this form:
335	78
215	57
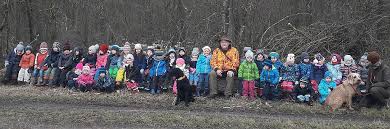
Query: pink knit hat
79	66
180	61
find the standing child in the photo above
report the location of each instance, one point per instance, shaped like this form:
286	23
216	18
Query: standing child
12	64
139	62
260	59
203	67
270	77
149	64
290	74
303	92
129	74
248	73
334	67
85	80
26	65
157	73
326	86
39	68
171	60
72	76
52	63
102	56
113	61
276	63
193	75
348	66
103	82
62	61
362	66
318	71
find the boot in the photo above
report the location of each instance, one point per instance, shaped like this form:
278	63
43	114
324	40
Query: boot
39	83
44	83
32	81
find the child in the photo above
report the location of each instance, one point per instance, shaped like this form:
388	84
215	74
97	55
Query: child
171	58
326	86
203	67
318	71
26	65
362	66
276	63
103	82
193	75
303	92
260	59
244	50
157	73
334	67
270	77
12	64
348	66
102	56
113	61
182	54
85	80
305	67
290	74
39	68
129	74
149	64
180	63
72	77
91	57
139	62
52	63
62	61
248	73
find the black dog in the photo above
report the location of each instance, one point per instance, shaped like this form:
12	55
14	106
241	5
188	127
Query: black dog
184	89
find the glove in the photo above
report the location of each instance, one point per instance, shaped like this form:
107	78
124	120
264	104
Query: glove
142	71
6	63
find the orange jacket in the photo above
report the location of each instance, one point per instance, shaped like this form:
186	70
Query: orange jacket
27	61
225	61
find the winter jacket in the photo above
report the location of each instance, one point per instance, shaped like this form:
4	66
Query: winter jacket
270	76
203	64
101	60
159	68
40	59
324	89
104	83
225	61
113	61
149	62
140	61
13	58
379	77
248	71
290	73
63	59
318	73
363	73
277	65
86	79
129	73
335	70
346	70
305	70
307	90
260	65
73	61
52	60
90	59
27	61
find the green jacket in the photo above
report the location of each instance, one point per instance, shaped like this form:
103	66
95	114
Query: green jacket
248	71
379	77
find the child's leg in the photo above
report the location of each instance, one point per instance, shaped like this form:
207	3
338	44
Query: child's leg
21	74
245	86
301	98
27	76
206	84
251	89
14	72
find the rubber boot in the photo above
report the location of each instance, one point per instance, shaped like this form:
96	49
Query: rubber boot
39	83
33	81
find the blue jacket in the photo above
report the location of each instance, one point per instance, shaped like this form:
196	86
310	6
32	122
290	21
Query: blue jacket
318	73
323	89
290	73
278	65
113	61
305	70
271	77
159	68
335	70
203	64
140	61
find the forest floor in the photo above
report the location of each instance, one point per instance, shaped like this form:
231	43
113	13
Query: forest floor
43	107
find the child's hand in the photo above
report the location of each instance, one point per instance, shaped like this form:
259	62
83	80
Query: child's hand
132	81
75	79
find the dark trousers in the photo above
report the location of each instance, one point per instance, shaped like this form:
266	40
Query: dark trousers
11	72
269	91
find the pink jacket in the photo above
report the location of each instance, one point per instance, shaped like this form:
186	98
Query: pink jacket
85	79
101	60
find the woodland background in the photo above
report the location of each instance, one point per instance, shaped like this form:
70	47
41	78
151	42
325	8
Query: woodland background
343	26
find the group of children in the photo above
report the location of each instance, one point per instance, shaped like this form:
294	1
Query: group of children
113	68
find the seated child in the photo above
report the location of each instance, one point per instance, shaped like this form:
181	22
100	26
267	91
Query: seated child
26	65
39	68
129	75
85	80
270	78
103	82
303	92
12	64
72	76
326	86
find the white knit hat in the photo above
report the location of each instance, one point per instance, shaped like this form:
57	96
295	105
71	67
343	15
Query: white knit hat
206	47
138	46
94	48
249	53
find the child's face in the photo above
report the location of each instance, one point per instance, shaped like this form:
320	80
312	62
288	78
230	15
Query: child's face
179	65
77	53
274	60
113	51
172	56
77	71
328	79
43	51
364	62
126	52
66	52
206	52
101	52
102	75
181	53
55	49
194	56
129	61
90	52
306	60
334	59
266	67
85	72
28	52
249	59
137	51
149	52
260	57
302	85
348	61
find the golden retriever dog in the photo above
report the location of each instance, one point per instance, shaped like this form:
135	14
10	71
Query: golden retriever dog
343	93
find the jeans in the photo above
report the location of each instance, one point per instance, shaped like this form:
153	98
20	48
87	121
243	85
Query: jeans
203	84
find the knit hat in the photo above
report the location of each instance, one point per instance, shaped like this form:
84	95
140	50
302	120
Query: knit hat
67	46
79	66
373	57
225	38
319	57
249	53
195	51
138	46
28	48
349	58
328	74
274	55
126	47
19	47
258	51
43	46
206	47
268	63
171	50
247	49
180	61
305	55
103	47
57	45
182	49
115	47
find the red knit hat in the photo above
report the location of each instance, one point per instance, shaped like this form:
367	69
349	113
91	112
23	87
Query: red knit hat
104	48
373	57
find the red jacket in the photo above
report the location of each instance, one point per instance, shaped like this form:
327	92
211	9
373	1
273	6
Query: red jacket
27	61
39	59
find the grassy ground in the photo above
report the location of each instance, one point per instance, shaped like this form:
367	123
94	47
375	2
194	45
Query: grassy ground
37	107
